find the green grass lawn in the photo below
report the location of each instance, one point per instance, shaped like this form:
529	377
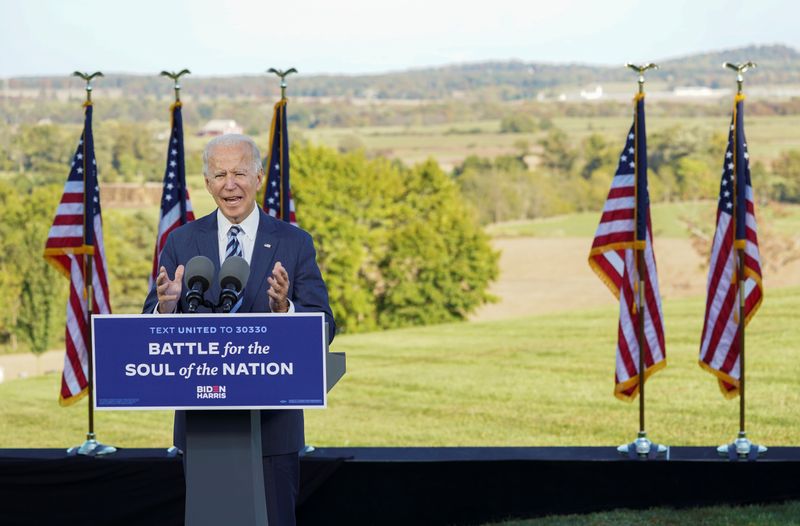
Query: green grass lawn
787	514
669	220
535	381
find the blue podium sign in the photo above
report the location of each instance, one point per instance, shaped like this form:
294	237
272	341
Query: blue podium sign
209	361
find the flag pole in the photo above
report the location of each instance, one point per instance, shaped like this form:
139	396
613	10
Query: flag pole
282	75
308	448
173	451
176	79
91	447
642	447
278	124
639	259
177	86
742	447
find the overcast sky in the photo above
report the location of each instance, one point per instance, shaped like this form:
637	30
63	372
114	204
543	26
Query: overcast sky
55	37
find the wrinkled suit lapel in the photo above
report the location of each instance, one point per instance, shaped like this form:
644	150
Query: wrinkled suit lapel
261	263
208	246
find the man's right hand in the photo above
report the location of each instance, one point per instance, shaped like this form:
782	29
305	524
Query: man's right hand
169	291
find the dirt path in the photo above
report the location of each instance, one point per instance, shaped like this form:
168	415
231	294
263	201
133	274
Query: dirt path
13	366
540	275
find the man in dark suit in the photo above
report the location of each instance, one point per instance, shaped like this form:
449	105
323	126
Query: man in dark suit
233	175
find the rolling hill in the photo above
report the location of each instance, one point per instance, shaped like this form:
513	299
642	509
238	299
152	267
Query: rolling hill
494	80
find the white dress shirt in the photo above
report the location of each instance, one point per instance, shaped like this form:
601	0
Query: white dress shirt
247	239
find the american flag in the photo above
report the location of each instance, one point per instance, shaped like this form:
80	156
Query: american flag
77	231
624	227
736	229
176	208
277	195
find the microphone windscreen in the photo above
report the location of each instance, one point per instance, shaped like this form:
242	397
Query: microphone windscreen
234	273
199	268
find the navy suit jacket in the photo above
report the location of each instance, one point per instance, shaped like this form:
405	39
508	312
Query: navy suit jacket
281	431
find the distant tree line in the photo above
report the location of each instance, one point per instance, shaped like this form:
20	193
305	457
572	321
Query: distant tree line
492	81
144	120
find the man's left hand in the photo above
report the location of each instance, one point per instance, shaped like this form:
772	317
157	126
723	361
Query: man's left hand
278	289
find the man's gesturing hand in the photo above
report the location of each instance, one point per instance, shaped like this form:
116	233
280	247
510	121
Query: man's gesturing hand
278	289
169	291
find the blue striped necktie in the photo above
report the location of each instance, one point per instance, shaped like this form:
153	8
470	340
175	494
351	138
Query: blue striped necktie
234	248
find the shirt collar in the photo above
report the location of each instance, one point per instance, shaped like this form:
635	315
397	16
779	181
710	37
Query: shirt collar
249	226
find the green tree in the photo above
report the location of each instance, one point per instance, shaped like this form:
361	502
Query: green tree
376	223
666	147
499	194
558	155
505	189
24	272
41	148
345	202
129	239
473	163
128	151
439	262
517	123
36	312
598	156
787	177
695	179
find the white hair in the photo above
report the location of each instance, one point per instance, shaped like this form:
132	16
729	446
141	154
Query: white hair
232	139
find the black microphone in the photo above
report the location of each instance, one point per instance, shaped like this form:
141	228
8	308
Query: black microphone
232	279
198	276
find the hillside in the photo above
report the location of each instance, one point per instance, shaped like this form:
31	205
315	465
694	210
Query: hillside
495	80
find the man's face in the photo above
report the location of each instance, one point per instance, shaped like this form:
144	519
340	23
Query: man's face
232	181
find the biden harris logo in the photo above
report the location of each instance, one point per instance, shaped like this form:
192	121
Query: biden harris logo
211	391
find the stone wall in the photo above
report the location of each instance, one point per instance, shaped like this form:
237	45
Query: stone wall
130	195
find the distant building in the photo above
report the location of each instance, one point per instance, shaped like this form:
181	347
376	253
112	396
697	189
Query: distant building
217	127
595	94
699	92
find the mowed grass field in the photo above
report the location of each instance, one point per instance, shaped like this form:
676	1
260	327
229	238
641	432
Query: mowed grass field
532	252
787	514
669	221
537	380
451	143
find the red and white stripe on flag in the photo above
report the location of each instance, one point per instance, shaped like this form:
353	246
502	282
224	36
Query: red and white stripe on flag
613	258
65	251
719	344
69	252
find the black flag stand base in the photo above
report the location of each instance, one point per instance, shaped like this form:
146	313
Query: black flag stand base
643	449
741	449
91	448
